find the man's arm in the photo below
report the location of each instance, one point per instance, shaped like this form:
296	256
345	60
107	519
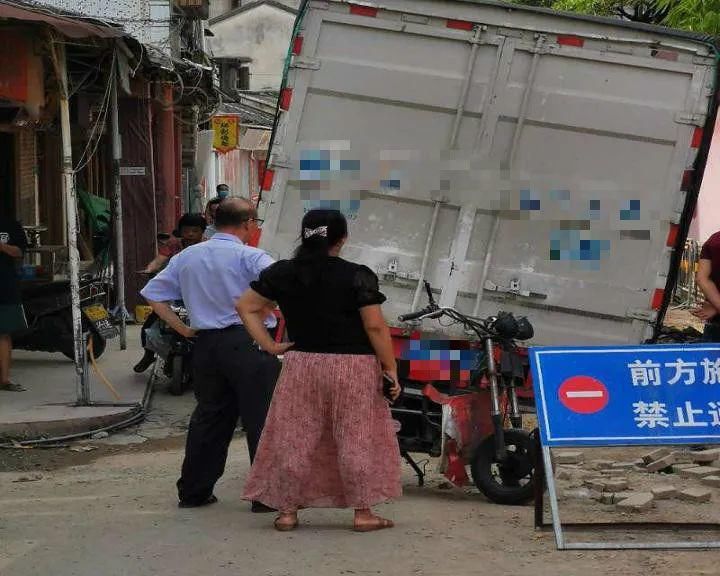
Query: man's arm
11	250
157	263
17	245
165	312
704	281
252	308
260	262
164	288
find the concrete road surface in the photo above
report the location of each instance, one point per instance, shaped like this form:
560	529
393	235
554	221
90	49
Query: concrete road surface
46	407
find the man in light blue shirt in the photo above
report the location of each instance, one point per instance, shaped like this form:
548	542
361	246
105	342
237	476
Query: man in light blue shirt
232	378
209	277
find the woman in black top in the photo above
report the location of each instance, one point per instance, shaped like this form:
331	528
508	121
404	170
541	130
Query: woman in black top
328	440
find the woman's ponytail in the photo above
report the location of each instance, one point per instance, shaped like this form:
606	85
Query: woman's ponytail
321	231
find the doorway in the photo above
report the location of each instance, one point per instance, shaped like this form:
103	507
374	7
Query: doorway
7	174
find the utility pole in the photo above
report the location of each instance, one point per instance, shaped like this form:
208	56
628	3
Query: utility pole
117	211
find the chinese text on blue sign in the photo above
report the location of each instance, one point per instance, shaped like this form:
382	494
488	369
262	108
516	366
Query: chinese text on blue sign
627	395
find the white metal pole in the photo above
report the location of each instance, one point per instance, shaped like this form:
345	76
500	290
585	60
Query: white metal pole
467	81
69	196
118	220
452	142
217	176
522	116
426	255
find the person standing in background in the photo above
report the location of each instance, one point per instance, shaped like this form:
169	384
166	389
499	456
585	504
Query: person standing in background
13	244
210	211
223	191
708	280
191	230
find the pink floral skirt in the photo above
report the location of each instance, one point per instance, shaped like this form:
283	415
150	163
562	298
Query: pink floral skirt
328	441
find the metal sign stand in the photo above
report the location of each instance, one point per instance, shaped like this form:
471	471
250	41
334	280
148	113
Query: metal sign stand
543	467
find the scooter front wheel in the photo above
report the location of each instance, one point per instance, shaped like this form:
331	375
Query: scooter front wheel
177	376
512	481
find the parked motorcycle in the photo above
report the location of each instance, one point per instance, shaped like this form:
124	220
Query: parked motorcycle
49	316
175	351
463	414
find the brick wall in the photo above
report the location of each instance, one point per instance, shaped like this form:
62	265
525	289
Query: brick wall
27	168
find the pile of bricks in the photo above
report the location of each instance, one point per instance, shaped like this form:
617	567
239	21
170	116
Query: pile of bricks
607	480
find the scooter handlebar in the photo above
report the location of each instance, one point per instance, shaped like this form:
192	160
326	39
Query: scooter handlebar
419	314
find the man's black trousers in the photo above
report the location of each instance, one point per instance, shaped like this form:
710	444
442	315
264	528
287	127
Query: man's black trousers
232	379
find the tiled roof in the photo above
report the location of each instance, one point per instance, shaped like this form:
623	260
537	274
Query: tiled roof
254	108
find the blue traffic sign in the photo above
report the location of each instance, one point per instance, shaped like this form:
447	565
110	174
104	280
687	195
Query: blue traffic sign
617	396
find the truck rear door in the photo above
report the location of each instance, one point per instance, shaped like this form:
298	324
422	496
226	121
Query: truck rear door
518	160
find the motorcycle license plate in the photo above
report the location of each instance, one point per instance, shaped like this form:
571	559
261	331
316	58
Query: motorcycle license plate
96	312
98	315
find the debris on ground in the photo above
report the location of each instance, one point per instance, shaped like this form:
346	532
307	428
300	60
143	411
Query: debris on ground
713	481
639	501
699	472
695	495
83	448
664	492
569	457
33	478
662	463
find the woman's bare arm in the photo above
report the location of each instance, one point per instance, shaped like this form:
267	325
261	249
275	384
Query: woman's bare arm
253	309
379	334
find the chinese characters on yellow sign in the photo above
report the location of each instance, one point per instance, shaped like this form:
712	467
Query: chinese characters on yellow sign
226	133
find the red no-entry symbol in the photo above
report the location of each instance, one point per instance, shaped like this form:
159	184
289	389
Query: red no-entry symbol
583	394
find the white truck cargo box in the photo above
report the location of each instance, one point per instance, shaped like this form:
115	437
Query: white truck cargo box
518	159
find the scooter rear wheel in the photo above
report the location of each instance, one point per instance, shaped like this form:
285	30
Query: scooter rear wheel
511	482
99	345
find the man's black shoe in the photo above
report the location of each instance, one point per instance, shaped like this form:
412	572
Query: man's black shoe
211	500
260	508
145	362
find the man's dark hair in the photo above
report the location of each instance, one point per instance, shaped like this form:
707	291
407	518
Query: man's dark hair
233	212
213	202
192	220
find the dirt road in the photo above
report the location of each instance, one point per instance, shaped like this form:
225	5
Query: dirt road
112	513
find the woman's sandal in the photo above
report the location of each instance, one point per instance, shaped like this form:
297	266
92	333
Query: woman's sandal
377	523
285	526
